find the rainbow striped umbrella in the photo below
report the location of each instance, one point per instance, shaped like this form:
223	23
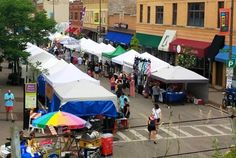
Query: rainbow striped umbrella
59	118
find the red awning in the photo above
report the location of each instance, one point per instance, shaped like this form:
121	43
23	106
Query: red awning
77	31
71	29
199	48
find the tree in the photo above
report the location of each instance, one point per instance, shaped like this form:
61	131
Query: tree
21	23
134	43
186	58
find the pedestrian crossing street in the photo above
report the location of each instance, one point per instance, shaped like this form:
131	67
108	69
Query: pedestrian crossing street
174	132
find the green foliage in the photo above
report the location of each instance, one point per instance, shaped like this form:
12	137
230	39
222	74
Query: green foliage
21	23
217	153
231	154
186	59
134	43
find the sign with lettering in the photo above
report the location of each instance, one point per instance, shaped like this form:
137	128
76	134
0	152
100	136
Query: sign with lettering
30	95
120	25
224	21
230	63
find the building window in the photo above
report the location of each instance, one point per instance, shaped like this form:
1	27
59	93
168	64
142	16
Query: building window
159	14
174	14
71	15
76	16
141	13
220	5
148	14
196	14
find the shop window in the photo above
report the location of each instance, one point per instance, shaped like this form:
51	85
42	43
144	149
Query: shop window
141	13
174	14
196	14
71	15
76	16
220	5
159	14
148	14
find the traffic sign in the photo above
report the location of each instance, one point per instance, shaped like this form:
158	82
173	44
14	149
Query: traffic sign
231	63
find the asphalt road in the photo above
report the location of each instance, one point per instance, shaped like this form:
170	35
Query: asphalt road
187	128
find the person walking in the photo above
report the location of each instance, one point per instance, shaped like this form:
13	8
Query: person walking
156	111
9	102
132	87
152	128
122	101
156	92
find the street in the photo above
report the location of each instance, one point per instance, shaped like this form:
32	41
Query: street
186	128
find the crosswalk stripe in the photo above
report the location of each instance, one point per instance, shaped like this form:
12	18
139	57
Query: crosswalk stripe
216	130
158	135
123	136
140	136
183	132
169	132
225	127
201	131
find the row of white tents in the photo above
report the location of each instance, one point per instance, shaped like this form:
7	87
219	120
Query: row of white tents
160	70
70	84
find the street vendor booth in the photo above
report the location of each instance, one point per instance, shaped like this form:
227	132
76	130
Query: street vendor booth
129	55
194	83
84	98
68	74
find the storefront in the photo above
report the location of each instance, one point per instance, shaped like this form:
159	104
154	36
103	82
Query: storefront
149	43
220	66
163	48
196	48
118	38
215	78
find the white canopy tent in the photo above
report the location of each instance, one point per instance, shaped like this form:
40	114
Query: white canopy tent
69	73
129	56
194	83
42	57
83	90
156	63
59	65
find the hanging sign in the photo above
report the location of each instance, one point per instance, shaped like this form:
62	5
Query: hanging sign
30	95
224	21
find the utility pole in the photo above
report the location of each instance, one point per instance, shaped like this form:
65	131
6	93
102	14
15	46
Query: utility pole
100	20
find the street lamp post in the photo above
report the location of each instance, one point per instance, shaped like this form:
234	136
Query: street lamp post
100	20
53	9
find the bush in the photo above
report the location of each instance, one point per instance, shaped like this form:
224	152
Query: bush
231	154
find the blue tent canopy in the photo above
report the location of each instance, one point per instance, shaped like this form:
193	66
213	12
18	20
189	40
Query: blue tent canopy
41	85
90	108
223	54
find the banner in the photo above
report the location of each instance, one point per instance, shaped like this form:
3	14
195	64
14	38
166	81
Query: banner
30	95
224	21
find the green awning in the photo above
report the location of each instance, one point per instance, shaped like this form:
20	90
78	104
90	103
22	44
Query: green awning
119	50
148	40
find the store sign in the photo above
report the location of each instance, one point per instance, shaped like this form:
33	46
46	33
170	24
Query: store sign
224	21
120	25
30	95
231	63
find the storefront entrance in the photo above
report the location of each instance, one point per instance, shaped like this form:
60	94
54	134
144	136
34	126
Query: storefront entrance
219	74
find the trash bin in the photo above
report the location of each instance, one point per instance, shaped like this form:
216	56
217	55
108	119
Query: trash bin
107	144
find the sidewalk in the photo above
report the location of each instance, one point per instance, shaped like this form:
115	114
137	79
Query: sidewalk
215	97
18	106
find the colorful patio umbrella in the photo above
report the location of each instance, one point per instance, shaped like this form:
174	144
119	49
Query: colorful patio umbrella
59	118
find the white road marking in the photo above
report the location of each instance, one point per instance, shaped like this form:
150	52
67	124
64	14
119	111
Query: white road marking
169	132
183	132
140	136
226	127
158	135
127	139
201	131
216	130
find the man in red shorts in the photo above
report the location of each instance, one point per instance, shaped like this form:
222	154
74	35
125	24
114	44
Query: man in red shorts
9	102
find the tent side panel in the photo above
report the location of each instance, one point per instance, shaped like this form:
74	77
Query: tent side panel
199	90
